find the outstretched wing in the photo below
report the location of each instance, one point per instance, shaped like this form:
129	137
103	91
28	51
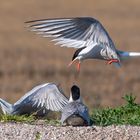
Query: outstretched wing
73	32
47	96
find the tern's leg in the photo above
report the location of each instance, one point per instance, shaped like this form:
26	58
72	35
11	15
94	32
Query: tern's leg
112	60
78	66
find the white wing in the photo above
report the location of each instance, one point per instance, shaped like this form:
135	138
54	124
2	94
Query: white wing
46	95
73	32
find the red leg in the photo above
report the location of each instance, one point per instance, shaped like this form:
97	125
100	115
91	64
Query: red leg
78	66
112	60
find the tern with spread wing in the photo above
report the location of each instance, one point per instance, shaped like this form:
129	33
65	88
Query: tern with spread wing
86	34
40	100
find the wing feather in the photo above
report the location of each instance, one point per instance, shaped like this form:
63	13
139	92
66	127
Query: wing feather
45	95
72	32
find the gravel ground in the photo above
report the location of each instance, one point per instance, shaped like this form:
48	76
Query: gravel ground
19	131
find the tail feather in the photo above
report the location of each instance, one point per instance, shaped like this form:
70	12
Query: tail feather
134	54
6	107
124	55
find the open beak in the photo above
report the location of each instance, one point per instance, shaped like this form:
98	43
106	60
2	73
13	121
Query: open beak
71	63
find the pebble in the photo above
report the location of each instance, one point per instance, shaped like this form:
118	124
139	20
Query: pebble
18	131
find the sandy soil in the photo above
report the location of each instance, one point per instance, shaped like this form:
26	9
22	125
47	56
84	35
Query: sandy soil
12	131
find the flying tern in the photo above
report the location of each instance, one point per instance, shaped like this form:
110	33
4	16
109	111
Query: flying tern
86	34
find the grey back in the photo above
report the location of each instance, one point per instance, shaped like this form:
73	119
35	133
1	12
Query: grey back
75	108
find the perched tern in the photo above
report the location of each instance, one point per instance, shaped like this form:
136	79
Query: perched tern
86	34
75	113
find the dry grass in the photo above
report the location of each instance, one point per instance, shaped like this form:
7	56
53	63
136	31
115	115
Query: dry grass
27	59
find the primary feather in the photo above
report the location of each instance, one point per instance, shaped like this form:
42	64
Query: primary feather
42	98
73	32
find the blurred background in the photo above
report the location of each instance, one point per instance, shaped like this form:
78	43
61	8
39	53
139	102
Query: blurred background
27	60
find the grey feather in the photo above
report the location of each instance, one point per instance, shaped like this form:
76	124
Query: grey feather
39	99
73	29
81	32
78	33
75	108
6	107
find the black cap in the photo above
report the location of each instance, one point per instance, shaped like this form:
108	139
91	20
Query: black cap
75	90
77	52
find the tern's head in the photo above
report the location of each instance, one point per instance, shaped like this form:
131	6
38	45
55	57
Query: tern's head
75	93
76	54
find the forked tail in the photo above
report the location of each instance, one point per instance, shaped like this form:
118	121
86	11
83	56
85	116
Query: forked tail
6	107
124	55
